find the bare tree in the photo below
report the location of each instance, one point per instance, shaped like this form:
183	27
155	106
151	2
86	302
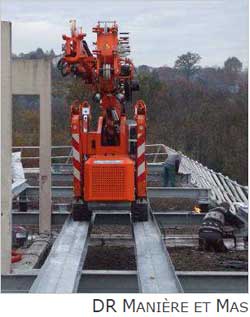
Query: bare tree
233	65
187	64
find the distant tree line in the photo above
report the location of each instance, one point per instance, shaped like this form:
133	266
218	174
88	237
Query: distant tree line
201	111
37	54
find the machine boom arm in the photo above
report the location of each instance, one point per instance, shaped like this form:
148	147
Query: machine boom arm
109	163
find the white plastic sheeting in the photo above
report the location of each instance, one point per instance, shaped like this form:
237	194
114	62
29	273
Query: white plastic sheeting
17	168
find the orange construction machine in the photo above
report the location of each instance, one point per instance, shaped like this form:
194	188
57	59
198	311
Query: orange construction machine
108	164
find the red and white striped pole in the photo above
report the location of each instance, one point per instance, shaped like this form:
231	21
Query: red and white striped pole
141	173
76	148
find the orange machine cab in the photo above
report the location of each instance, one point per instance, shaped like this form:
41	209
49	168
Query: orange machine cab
109	178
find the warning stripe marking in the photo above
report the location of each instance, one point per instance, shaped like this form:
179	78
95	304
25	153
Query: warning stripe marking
76	155
75	137
141	169
76	173
141	149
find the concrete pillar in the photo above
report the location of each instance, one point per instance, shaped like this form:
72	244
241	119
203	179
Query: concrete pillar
45	150
37	75
6	148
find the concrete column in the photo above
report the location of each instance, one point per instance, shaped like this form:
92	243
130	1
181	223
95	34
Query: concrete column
6	148
37	75
45	150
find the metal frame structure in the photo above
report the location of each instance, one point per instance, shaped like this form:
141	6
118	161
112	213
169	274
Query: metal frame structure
62	269
102	281
155	271
222	187
151	252
109	218
199	194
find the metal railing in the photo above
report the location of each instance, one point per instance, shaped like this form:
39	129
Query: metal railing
67	148
35	148
222	187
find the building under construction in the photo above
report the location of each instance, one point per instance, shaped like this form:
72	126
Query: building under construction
62	231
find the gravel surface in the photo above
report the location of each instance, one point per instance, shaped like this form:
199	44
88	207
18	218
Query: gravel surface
172	204
180	229
111	229
110	258
189	259
184	259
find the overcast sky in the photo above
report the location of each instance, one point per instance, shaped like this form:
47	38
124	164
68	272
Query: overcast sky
159	30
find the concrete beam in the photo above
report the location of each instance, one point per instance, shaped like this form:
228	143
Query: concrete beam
29	76
6	147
